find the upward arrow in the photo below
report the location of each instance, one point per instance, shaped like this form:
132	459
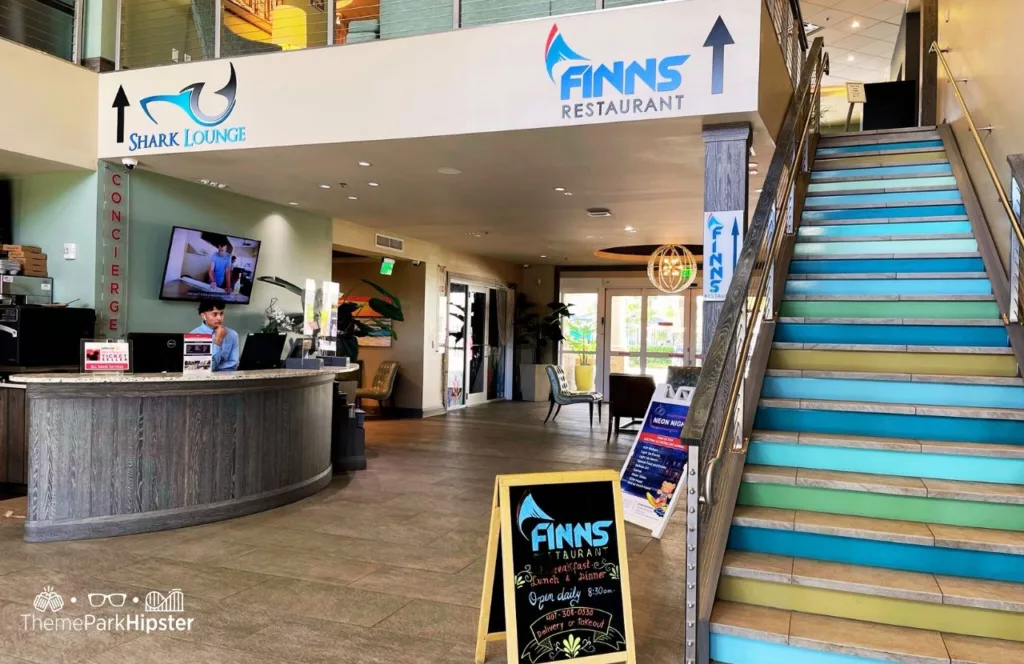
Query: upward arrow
718	39
120	102
735	242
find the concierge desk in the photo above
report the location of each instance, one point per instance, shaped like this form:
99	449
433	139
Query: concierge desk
117	454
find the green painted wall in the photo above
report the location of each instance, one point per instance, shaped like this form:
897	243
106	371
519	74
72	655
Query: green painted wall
55	208
296	246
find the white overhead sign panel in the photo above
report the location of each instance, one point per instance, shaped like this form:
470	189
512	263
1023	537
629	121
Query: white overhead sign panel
669	59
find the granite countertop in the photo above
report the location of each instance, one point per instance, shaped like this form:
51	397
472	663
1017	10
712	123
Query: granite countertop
269	374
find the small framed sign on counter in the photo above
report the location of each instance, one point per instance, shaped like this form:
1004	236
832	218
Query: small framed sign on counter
198	353
111	356
556	580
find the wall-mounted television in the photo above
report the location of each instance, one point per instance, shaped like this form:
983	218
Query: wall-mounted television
205	265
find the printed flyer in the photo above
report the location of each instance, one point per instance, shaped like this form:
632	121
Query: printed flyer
106	356
656	462
198	353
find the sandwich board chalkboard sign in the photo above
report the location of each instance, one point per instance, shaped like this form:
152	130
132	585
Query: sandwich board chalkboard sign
556	581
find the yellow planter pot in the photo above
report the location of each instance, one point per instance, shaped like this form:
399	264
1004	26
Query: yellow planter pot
585	377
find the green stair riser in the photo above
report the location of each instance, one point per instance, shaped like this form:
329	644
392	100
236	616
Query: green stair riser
871	608
947	364
972	514
907	309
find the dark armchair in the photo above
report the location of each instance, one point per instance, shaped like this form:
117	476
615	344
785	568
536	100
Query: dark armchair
561	395
628	396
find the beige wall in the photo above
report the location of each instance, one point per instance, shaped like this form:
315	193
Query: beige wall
53	113
984	38
360	239
408	285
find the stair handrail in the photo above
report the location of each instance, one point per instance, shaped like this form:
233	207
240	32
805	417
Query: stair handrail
715	407
1015	225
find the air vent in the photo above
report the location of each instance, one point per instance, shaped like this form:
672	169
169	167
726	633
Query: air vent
599	212
387	242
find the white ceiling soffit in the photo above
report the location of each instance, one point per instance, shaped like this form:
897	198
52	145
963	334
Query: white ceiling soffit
860	36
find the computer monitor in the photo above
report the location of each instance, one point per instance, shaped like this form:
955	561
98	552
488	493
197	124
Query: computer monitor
157	352
262	351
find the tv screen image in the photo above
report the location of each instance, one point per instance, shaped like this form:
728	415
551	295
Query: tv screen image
203	265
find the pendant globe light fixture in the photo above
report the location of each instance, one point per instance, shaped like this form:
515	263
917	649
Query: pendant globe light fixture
672	268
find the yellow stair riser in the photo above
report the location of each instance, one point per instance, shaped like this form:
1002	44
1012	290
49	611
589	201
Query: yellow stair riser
915	363
870	608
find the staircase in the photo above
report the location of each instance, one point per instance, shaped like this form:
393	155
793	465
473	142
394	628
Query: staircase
881	512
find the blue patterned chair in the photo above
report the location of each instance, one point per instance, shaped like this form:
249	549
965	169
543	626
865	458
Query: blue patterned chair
561	395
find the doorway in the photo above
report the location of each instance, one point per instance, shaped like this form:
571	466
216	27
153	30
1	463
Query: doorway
478	344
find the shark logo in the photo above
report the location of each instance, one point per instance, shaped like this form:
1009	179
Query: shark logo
188	101
557	50
529	509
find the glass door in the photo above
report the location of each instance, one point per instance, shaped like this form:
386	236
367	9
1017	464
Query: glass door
646	331
477	350
455	386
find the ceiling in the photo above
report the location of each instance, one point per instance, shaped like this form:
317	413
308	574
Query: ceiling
504	204
16	163
860	36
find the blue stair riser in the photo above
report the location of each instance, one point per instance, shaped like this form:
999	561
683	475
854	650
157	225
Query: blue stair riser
912	335
877	553
889	287
886	425
884	247
863	185
729	649
886	265
876	230
884	171
884	391
885	213
854	150
889	462
923	197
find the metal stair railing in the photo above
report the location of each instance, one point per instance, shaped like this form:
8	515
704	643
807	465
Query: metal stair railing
714	424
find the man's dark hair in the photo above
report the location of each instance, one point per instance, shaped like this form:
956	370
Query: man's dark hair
210	305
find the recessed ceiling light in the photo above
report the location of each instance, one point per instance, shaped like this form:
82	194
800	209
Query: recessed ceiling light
365	163
448	170
850	58
752	171
855	24
293	203
543	256
567	193
325	186
205	181
629	229
559	188
353	198
222	186
752	165
758	191
594	237
373	184
476	233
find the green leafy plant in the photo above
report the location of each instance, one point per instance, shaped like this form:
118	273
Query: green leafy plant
534	330
581	339
350	328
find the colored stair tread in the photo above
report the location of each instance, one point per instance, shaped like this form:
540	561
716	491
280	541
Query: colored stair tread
961	448
886	310
728	649
1010	494
881	200
900	362
750	621
887	484
982	594
1012	381
976	650
921	394
822	164
891	228
894	407
864	639
867	332
942	181
882	172
764	566
884	610
975	539
910	211
763	517
840	440
770	474
895	265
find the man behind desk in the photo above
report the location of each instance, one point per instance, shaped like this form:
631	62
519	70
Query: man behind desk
225	340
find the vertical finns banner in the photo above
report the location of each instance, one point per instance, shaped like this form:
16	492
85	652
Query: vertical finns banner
656	462
723	239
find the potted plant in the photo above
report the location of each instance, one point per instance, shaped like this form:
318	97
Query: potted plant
581	342
535	331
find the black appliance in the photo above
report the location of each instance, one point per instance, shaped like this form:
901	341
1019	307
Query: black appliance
262	351
157	352
35	336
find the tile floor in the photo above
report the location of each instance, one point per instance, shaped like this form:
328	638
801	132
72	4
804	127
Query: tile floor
383	566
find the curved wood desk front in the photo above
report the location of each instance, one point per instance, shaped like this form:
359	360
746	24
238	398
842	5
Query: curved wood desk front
117	454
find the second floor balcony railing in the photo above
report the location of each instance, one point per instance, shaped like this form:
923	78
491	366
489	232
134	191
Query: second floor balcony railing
50	26
155	32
